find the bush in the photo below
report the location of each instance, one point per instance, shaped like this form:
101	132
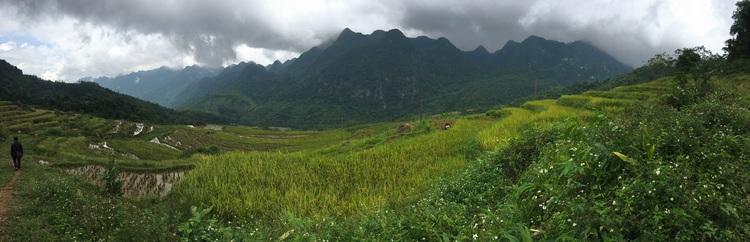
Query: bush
472	149
111	179
496	113
202	227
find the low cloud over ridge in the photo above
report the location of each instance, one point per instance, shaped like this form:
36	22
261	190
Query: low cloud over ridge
106	37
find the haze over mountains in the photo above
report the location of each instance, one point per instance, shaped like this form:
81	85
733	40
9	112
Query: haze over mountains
380	76
162	85
85	97
369	77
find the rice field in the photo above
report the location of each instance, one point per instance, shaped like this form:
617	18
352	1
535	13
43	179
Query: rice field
317	183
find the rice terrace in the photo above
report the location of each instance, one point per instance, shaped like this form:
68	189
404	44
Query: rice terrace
276	121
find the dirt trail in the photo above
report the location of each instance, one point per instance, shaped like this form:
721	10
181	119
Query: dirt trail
6	198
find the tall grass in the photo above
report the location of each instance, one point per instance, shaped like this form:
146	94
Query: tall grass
271	184
317	183
502	132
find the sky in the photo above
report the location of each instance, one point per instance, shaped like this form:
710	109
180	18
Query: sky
69	39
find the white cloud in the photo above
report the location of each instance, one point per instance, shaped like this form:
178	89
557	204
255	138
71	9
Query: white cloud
260	55
109	37
10	45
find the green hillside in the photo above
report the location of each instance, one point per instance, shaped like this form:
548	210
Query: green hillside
384	76
86	97
581	166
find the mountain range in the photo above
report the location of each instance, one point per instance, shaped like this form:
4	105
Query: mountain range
380	76
386	75
161	86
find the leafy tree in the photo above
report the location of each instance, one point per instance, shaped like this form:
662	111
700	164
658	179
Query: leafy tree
698	64
694	68
738	47
663	60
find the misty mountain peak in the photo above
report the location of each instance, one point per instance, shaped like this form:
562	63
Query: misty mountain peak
348	35
480	50
510	43
534	39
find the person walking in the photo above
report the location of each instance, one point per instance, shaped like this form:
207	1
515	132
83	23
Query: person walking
16	151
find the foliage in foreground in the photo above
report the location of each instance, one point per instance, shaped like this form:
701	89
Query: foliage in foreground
653	173
56	207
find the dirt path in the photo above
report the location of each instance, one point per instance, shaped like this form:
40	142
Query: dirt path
6	198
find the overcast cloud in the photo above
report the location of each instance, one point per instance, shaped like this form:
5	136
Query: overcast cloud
70	39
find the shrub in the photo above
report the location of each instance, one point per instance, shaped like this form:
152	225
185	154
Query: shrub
496	113
202	227
111	179
472	149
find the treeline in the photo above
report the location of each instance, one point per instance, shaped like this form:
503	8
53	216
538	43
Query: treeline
88	98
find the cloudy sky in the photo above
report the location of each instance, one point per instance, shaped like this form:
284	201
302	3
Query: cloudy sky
70	39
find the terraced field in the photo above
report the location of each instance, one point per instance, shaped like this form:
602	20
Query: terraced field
247	172
63	138
359	179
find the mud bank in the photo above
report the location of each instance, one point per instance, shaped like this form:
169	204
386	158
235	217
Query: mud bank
134	184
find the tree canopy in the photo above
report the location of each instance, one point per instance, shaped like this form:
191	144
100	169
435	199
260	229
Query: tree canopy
738	47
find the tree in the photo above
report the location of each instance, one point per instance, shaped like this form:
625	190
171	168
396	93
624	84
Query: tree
694	68
698	64
738	47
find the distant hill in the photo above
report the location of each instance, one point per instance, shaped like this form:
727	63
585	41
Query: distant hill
86	97
161	85
386	75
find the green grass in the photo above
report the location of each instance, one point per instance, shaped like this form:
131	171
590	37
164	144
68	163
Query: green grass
53	206
271	184
6	171
497	136
372	167
145	150
647	172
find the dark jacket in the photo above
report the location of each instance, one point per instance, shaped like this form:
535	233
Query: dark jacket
16	149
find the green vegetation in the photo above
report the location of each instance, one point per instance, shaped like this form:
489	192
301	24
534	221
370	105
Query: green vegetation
271	184
53	206
661	153
648	171
512	172
738	47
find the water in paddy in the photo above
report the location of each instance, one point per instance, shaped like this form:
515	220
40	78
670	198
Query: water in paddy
134	184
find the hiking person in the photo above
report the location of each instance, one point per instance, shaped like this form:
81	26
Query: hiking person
16	151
